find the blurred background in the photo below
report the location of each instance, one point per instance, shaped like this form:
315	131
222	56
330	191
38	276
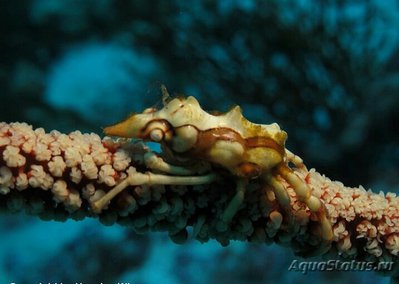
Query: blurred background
326	71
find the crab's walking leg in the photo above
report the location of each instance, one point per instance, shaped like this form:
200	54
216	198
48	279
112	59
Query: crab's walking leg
235	203
304	194
282	197
154	162
296	160
149	178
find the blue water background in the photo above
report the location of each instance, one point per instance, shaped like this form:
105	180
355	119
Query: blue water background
326	71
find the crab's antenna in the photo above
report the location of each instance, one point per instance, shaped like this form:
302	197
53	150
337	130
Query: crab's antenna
166	98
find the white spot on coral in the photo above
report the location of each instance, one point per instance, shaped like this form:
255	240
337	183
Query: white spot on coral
17	138
121	160
21	181
64	142
55	148
344	244
4	190
76	175
57	166
72	157
73	202
88	167
5	180
28	146
39	131
12	157
42	153
60	191
106	175
4	128
4	141
392	244
373	248
39	178
101	157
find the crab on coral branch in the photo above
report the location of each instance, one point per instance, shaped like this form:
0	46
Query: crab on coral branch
244	149
57	176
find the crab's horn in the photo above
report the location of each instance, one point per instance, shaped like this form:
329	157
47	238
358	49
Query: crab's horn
130	128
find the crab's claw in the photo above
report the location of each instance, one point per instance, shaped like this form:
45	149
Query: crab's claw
132	127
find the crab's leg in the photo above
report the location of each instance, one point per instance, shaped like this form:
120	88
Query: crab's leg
149	178
296	160
304	194
235	203
154	162
282	197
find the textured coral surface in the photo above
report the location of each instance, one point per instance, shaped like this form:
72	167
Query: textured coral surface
57	176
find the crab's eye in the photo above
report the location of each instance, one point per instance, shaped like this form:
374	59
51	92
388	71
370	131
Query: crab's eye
156	135
157	131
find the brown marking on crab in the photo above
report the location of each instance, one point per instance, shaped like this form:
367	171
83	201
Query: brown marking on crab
247	150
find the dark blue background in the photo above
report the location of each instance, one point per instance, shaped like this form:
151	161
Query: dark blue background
326	71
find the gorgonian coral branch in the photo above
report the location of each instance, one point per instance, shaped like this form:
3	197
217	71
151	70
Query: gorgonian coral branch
58	176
